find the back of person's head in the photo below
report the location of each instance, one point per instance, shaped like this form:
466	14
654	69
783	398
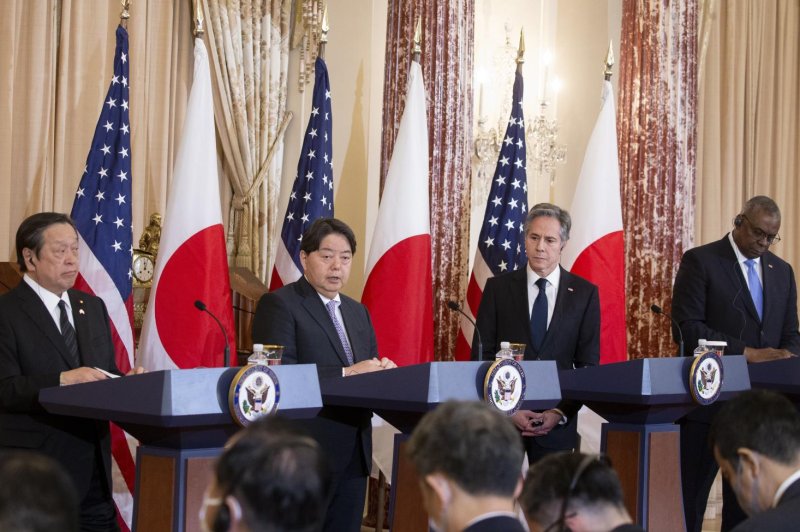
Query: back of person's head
470	443
272	478
759	420
565	483
36	495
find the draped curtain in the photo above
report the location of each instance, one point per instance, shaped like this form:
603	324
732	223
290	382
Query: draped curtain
56	64
446	59
656	128
249	45
749	115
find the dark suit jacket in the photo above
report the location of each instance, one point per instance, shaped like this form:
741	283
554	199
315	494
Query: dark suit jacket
783	518
500	523
572	339
32	355
294	317
711	300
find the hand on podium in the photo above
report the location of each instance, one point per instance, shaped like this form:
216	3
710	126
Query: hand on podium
138	370
368	366
765	354
79	375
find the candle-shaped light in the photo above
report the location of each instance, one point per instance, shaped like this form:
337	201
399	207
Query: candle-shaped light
547	58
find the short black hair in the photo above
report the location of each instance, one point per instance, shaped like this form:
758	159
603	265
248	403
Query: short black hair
470	443
279	476
548	483
322	227
31	230
759	420
36	495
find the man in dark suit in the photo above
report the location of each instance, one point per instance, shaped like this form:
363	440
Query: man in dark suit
737	291
560	322
316	324
51	335
756	441
468	457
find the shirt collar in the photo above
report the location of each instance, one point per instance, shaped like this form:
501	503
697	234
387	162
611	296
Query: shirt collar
49	299
785	486
553	278
740	258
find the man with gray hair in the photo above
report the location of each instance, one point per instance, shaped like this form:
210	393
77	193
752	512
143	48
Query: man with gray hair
555	313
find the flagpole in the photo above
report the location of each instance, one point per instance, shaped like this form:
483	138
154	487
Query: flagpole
125	15
323	39
609	61
417	40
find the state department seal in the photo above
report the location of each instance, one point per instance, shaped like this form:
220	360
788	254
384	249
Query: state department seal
254	392
504	385
705	378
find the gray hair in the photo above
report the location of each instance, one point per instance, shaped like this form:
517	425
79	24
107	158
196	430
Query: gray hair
761	204
553	211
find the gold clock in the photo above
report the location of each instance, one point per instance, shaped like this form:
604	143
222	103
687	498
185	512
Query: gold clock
144	266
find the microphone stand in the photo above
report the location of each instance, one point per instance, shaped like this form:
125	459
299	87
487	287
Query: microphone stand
453	305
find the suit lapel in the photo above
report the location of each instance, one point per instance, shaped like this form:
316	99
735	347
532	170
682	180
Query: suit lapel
520	307
563	303
313	305
770	284
42	319
352	323
730	265
81	321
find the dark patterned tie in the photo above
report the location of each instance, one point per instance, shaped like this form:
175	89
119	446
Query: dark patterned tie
348	351
68	333
539	316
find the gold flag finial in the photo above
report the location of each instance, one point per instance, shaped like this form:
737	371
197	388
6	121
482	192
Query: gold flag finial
418	38
521	49
609	61
198	18
125	15
324	37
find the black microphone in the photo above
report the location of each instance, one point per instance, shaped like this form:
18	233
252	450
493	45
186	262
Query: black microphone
655	308
202	307
453	305
242	309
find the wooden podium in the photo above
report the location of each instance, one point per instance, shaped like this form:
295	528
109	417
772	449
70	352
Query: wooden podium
642	399
182	421
403	395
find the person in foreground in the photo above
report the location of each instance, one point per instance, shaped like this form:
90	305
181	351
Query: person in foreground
271	477
736	290
577	492
36	495
317	324
469	459
554	313
756	442
54	335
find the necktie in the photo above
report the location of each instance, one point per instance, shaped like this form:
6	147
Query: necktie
348	351
68	333
754	283
539	316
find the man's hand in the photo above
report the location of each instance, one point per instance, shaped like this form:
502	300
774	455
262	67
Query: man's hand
138	370
368	366
79	375
548	419
523	420
765	354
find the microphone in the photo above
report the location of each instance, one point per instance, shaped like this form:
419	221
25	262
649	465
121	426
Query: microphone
453	305
202	307
658	310
242	309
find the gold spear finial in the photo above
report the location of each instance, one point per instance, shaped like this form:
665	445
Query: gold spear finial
198	18
521	49
125	15
609	61
323	37
418	39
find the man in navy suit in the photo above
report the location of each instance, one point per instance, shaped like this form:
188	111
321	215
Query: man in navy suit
53	335
559	322
317	324
756	441
734	290
468	457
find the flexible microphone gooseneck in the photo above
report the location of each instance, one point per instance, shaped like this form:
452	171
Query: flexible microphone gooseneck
202	307
658	310
453	305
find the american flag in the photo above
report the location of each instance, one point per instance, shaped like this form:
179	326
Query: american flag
501	245
102	214
312	192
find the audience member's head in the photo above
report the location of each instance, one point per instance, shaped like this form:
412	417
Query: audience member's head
573	491
270	478
36	495
469	459
756	441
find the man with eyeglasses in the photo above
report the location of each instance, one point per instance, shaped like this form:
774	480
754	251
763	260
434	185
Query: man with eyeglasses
317	324
737	291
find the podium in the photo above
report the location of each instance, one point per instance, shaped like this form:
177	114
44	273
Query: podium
642	399
781	376
403	395
182	421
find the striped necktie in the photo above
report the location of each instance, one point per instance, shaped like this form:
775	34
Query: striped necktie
68	333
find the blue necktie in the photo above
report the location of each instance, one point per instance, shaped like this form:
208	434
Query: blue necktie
754	283
539	316
348	351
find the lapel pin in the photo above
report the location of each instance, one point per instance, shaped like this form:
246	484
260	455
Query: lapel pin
570	289
769	266
81	311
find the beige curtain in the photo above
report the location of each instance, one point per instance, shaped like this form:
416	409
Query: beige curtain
249	44
749	115
55	66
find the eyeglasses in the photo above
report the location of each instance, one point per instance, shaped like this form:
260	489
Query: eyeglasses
759	234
